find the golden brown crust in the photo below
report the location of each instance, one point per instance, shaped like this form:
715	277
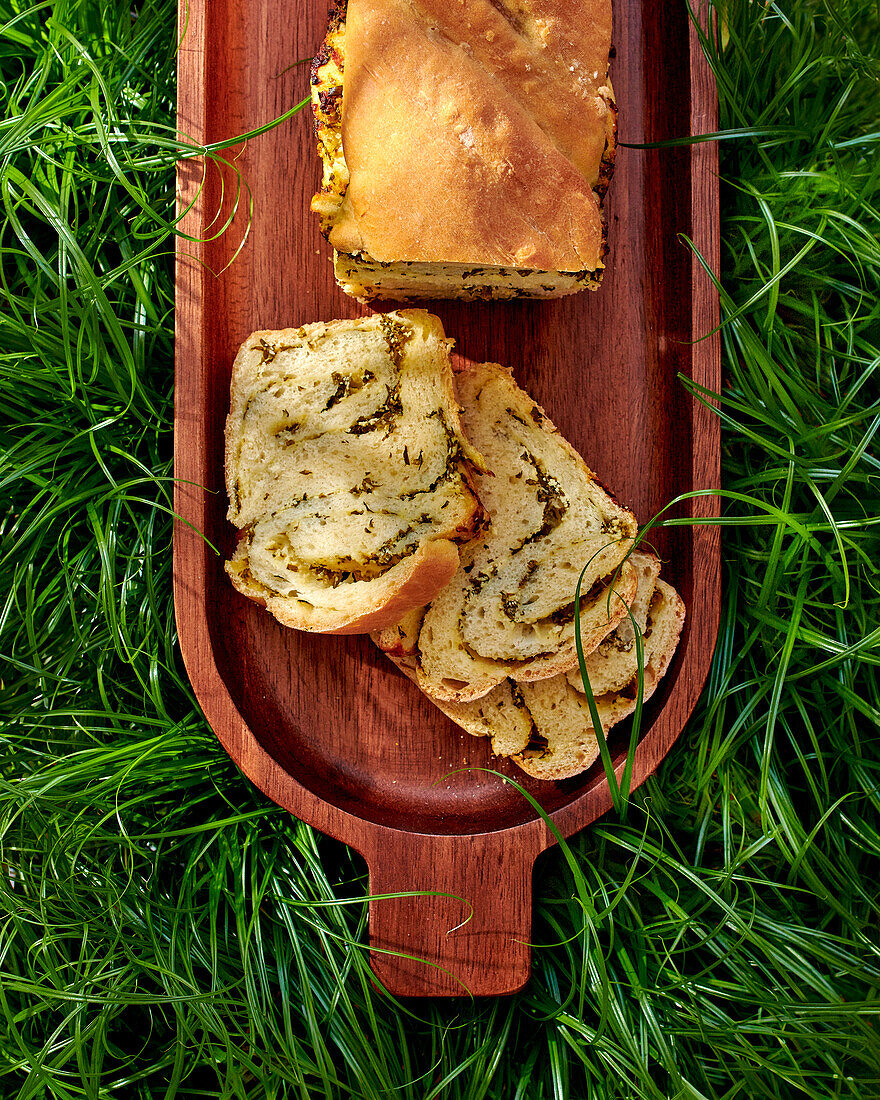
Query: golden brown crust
474	132
415	581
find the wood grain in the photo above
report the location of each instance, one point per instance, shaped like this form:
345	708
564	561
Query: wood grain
326	726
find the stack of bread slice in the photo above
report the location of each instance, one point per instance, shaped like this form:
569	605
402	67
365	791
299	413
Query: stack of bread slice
546	725
375	492
496	651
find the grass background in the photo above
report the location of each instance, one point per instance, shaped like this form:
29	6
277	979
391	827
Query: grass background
164	932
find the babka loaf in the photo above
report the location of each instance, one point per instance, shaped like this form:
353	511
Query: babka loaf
466	146
347	471
509	609
546	727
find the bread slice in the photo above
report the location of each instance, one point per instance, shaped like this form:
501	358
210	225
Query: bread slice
466	146
347	471
509	609
503	714
612	665
546	727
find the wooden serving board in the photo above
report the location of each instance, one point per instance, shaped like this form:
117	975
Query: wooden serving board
326	726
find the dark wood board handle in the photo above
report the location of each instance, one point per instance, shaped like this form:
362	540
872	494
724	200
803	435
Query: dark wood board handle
469	932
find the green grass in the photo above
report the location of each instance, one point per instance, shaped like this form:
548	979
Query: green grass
164	931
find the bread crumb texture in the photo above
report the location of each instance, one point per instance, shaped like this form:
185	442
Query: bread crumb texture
347	471
509	610
496	649
547	726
